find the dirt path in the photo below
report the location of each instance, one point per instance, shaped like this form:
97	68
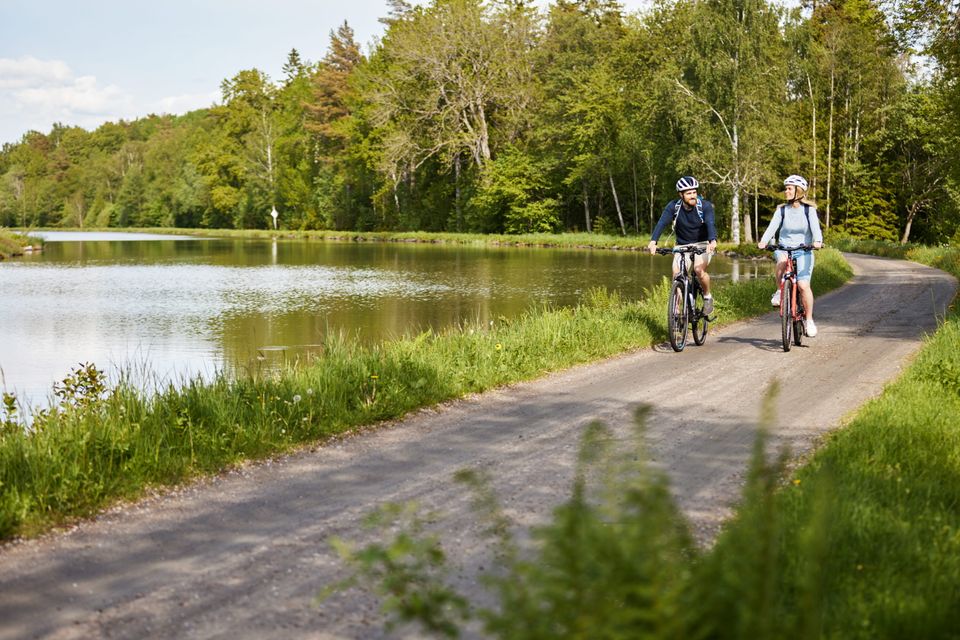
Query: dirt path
242	556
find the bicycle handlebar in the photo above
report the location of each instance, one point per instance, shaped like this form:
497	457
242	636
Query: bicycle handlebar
799	247
681	249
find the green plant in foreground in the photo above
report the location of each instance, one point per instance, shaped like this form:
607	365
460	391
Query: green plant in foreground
617	560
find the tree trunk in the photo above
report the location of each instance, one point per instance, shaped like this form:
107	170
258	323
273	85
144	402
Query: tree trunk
484	134
586	205
813	108
735	215
911	214
756	209
830	146
735	203
456	195
396	198
616	201
636	210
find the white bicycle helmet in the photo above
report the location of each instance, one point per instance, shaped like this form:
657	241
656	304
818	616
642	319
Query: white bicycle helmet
686	183
797	181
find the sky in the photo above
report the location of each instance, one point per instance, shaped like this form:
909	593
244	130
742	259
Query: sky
85	63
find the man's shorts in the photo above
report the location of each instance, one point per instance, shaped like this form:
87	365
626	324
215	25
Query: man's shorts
703	258
804	263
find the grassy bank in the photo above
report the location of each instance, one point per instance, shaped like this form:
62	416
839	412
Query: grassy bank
873	519
557	240
107	444
12	243
862	542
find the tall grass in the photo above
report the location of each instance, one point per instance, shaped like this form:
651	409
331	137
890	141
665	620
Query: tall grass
888	488
617	560
101	444
861	542
12	243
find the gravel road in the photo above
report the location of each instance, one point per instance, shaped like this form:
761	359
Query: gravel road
244	554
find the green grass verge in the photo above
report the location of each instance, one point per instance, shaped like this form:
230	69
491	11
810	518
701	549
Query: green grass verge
12	243
108	444
870	527
557	240
861	542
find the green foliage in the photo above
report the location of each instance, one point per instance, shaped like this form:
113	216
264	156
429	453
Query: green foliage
409	572
511	197
602	110
863	541
617	559
12	244
870	214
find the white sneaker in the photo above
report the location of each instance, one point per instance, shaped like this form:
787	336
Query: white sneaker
811	329
775	300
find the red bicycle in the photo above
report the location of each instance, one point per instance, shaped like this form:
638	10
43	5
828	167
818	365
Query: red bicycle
793	317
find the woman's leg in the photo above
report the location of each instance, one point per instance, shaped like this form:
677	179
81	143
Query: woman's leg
806	293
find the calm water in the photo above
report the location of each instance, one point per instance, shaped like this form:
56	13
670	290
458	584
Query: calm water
168	307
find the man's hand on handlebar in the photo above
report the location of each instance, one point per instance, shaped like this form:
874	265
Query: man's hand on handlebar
652	247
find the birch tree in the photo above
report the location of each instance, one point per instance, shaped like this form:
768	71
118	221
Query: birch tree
731	93
443	76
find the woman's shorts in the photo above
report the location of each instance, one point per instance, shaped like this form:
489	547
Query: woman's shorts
804	263
702	258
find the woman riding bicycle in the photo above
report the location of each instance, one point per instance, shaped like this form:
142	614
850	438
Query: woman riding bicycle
796	223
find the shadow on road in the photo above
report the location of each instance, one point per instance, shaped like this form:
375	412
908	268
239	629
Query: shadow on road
763	344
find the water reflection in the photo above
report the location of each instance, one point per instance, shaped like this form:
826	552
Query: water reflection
188	306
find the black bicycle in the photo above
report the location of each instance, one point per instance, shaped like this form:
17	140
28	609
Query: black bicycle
793	317
685	304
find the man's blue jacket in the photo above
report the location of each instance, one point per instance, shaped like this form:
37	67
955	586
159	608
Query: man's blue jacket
689	228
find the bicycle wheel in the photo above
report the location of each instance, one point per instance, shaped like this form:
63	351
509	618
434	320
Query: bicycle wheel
800	324
677	317
786	313
699	320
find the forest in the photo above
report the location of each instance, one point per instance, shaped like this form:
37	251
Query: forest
499	116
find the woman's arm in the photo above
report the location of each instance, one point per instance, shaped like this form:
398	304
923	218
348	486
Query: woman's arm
771	228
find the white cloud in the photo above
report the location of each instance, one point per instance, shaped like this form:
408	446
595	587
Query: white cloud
36	93
186	102
81	96
30	72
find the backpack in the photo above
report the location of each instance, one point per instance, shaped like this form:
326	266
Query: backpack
676	211
783	207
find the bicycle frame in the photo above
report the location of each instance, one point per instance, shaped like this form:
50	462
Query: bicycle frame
792	313
682	310
796	302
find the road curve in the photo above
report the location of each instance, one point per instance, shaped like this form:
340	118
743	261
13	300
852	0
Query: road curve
243	555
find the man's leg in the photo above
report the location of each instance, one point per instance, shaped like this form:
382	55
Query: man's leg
700	264
701	270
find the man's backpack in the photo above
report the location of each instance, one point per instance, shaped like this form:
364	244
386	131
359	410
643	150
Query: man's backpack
676	211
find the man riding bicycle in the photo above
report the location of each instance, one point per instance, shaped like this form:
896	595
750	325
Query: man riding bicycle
693	222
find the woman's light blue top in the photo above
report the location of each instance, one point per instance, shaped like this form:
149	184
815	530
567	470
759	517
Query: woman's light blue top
796	230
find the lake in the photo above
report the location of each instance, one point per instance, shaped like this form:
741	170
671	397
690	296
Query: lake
165	307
